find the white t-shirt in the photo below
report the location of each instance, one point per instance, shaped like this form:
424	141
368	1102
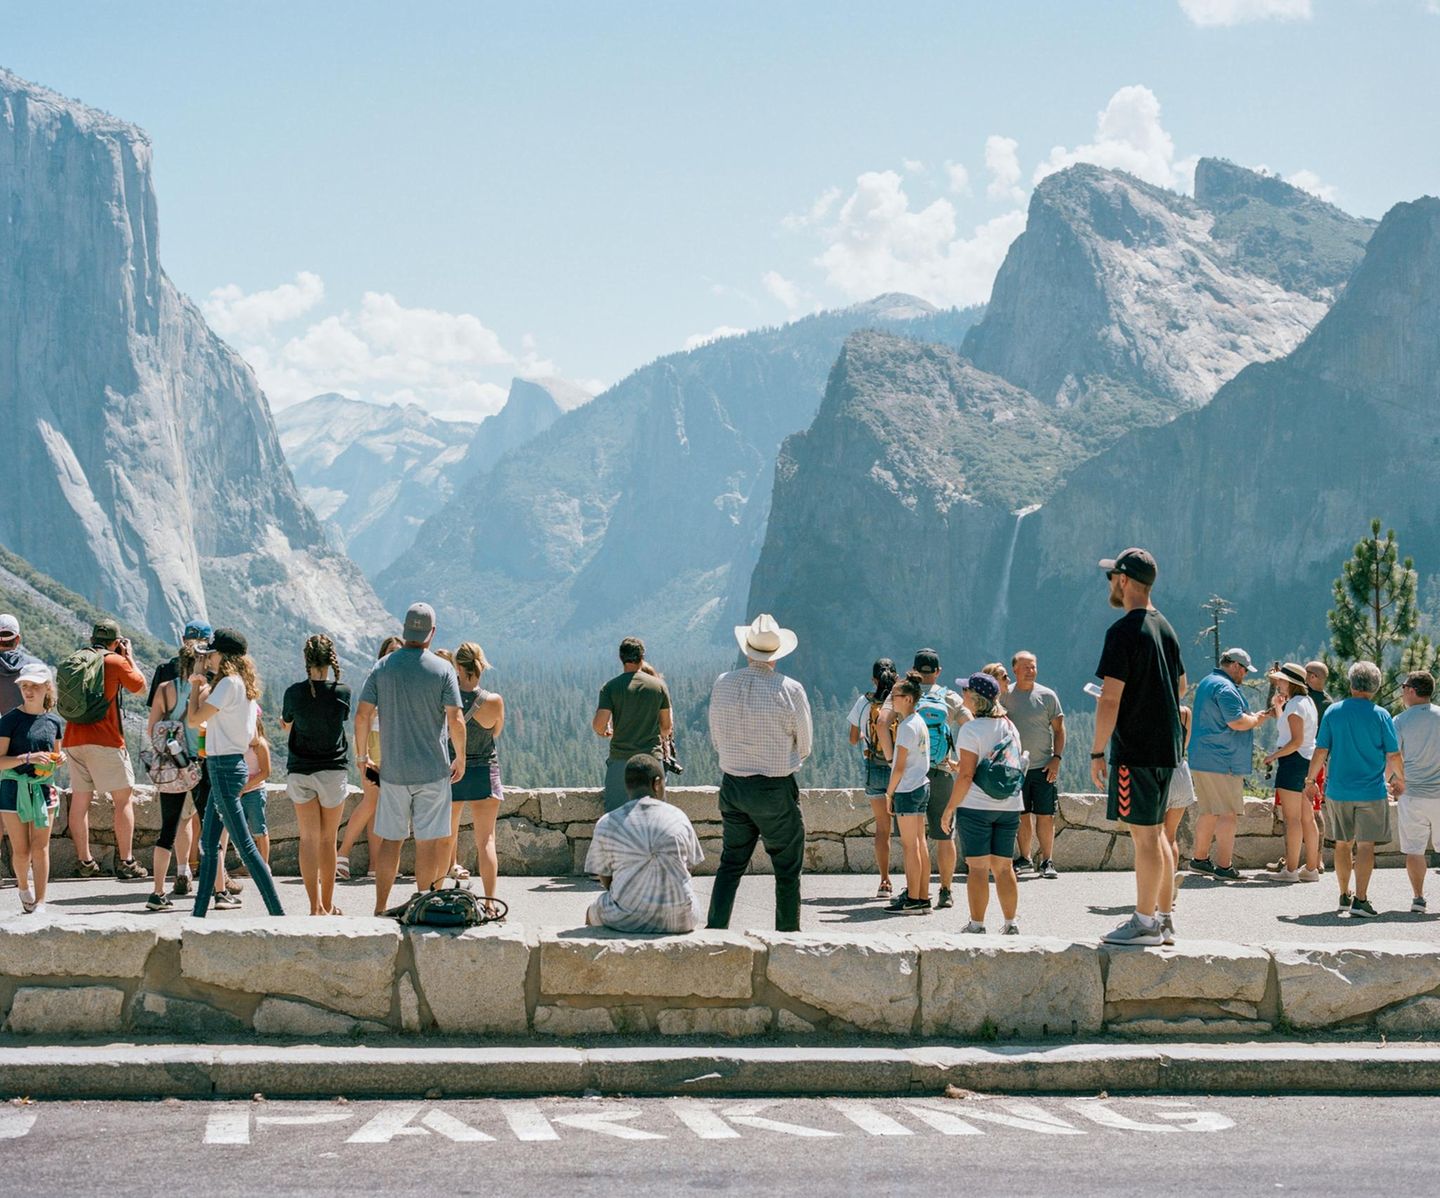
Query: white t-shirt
913	736
1304	707
860	717
232	727
980	737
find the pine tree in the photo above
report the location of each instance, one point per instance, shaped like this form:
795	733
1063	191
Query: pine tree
1376	616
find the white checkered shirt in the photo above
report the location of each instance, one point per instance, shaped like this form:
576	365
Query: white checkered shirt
760	723
646	849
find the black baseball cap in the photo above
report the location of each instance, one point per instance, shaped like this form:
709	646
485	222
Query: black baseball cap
227	641
1133	563
927	661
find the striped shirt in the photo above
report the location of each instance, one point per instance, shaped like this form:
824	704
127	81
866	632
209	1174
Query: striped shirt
760	723
646	849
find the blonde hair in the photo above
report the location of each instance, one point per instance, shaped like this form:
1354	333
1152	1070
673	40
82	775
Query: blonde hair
242	666
997	671
445	655
471	658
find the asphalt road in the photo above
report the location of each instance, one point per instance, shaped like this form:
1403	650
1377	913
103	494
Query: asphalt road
1257	910
1352	1145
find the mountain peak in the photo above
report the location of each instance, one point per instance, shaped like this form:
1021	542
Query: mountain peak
85	118
1222	184
894	305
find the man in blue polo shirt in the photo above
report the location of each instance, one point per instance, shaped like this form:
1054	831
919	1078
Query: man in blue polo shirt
1222	739
1357	740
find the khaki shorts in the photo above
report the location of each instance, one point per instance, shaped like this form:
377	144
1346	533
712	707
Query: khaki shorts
1358	823
99	769
1419	824
1218	794
329	786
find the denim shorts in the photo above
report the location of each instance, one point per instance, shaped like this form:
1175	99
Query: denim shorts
877	776
253	804
988	833
912	802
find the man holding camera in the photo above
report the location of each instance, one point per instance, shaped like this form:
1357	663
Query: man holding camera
99	762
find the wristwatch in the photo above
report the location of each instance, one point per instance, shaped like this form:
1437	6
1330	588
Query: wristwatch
1100	756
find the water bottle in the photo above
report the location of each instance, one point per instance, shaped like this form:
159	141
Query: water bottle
175	748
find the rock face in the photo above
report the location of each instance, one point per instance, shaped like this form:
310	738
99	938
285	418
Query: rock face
645	507
532	406
149	456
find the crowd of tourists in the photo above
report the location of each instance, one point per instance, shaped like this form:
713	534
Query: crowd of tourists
968	775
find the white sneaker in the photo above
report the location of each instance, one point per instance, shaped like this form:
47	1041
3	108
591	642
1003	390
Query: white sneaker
1135	931
1288	875
40	909
1011	928
1309	875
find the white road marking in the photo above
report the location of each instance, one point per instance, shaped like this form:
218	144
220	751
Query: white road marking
747	1114
605	1122
527	1121
942	1121
453	1129
231	1124
16	1123
869	1120
703	1121
1026	1117
1098	1112
399	1121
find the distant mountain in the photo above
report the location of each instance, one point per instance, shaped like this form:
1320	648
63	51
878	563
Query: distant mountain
152	475
644	510
532	406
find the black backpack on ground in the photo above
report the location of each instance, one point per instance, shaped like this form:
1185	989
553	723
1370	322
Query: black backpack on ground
448	907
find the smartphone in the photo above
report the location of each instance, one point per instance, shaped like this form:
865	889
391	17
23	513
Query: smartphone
372	775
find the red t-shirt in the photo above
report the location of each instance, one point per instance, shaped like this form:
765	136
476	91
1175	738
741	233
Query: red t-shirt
108	731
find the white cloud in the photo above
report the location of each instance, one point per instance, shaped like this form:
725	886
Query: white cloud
958	177
245	316
913	166
696	340
787	291
1129	137
1210	13
450	363
879	243
1002	160
817	211
1307	180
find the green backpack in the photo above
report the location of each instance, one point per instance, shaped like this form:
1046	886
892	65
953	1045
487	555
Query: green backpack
80	687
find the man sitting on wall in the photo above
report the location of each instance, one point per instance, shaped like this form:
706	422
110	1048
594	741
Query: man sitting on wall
642	853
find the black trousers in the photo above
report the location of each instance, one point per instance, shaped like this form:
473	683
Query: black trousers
754	809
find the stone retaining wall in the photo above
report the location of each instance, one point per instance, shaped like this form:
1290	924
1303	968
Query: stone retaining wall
547	832
327	977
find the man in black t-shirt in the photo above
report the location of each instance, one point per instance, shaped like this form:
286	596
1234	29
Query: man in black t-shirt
1142	680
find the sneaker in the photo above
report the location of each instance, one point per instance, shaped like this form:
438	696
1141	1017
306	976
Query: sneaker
27	903
1021	864
1417	905
1362	908
130	871
944	900
1048	870
234	886
224	901
897	903
1011	928
974	929
1308	875
182	885
884	890
916	907
1275	867
40	909
1287	875
1134	932
1227	873
1167	928
1345	901
87	869
158	902
1201	865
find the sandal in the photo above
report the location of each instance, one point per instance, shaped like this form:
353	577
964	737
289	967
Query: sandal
885	889
342	869
459	872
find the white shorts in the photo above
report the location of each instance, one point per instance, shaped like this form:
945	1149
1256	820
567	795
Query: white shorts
329	786
1419	824
425	805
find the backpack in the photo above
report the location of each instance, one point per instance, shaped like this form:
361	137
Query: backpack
872	731
80	687
448	907
933	710
1001	775
172	773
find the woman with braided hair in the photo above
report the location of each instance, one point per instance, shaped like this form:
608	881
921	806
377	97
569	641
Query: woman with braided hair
480	787
314	713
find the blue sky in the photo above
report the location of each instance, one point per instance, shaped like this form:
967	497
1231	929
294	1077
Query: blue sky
418	201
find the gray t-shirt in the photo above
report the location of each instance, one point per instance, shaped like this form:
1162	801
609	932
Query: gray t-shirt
1031	712
1419	731
412	688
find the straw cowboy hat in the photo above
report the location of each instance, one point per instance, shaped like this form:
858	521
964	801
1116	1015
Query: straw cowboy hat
1290	672
765	640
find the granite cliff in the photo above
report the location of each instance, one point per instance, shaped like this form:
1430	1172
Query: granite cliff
152	477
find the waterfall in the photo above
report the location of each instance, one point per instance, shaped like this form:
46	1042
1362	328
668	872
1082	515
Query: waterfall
1000	616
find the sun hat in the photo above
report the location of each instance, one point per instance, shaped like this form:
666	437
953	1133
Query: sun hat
764	640
1290	672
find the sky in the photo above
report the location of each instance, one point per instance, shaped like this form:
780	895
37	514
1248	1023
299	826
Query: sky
418	202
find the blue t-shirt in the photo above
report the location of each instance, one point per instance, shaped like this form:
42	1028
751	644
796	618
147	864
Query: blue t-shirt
412	688
1358	735
1215	747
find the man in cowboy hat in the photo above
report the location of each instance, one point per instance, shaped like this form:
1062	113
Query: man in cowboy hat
760	725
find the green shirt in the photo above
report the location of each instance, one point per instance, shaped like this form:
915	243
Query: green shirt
634	702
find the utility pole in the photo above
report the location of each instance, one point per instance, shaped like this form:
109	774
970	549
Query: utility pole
1217	609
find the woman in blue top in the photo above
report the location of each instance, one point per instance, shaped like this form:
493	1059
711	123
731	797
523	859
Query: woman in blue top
29	752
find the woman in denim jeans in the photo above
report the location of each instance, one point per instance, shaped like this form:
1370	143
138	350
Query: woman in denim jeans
229	712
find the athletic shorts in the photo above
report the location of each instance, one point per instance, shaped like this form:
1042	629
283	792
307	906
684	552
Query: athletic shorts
988	833
1040	795
1419	824
425	806
1358	823
99	769
1138	794
942	786
912	802
1219	794
1290	772
328	786
481	780
1182	788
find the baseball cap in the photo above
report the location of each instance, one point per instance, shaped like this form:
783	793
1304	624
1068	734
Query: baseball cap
1133	563
9	627
419	621
197	630
104	632
927	661
35	671
1239	657
227	641
982	684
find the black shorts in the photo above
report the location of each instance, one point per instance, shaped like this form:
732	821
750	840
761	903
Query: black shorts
1138	794
1040	795
942	785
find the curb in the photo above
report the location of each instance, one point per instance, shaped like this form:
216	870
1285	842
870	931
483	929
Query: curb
127	1071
